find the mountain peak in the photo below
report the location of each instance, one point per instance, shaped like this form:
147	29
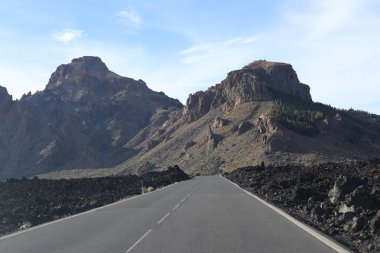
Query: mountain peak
86	66
258	81
89	62
263	64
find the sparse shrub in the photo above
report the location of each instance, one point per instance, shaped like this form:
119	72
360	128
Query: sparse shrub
299	115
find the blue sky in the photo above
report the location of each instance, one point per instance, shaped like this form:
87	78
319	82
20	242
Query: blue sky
183	46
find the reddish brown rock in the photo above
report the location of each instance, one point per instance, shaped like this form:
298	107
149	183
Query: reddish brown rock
258	81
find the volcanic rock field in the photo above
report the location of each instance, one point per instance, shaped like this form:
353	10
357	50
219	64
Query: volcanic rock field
339	199
29	202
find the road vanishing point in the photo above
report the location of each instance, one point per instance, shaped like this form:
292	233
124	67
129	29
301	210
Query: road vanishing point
204	214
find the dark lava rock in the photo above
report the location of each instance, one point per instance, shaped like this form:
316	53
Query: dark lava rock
340	199
302	193
375	222
358	224
342	186
360	198
29	202
158	179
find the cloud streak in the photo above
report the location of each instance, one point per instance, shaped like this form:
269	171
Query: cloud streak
200	52
67	35
328	43
325	17
130	18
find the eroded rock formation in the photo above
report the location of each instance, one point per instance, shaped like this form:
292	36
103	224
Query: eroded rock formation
258	81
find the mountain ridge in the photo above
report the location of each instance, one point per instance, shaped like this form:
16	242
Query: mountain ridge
100	123
81	119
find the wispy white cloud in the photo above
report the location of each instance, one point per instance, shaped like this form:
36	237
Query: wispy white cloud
67	35
200	52
130	17
328	44
325	17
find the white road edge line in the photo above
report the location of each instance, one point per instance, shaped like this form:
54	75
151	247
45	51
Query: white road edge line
183	200
79	214
163	218
174	208
329	242
139	240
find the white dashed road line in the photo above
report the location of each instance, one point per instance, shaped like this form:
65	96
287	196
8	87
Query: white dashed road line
84	213
139	240
174	208
159	222
163	218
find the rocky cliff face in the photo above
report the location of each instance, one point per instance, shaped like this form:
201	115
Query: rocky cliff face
258	81
89	117
82	119
260	113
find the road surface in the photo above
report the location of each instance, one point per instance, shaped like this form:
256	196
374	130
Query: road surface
205	214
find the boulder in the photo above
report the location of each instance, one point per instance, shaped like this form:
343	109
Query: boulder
360	198
358	224
342	186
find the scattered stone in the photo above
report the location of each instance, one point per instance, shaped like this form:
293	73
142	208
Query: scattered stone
26	225
357	224
346	209
342	186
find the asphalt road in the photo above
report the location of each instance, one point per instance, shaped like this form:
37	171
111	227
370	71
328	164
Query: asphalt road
205	214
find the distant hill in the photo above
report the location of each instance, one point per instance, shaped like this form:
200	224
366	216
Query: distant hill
91	122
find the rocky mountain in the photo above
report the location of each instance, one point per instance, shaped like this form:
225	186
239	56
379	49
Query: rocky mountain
91	122
260	113
82	119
